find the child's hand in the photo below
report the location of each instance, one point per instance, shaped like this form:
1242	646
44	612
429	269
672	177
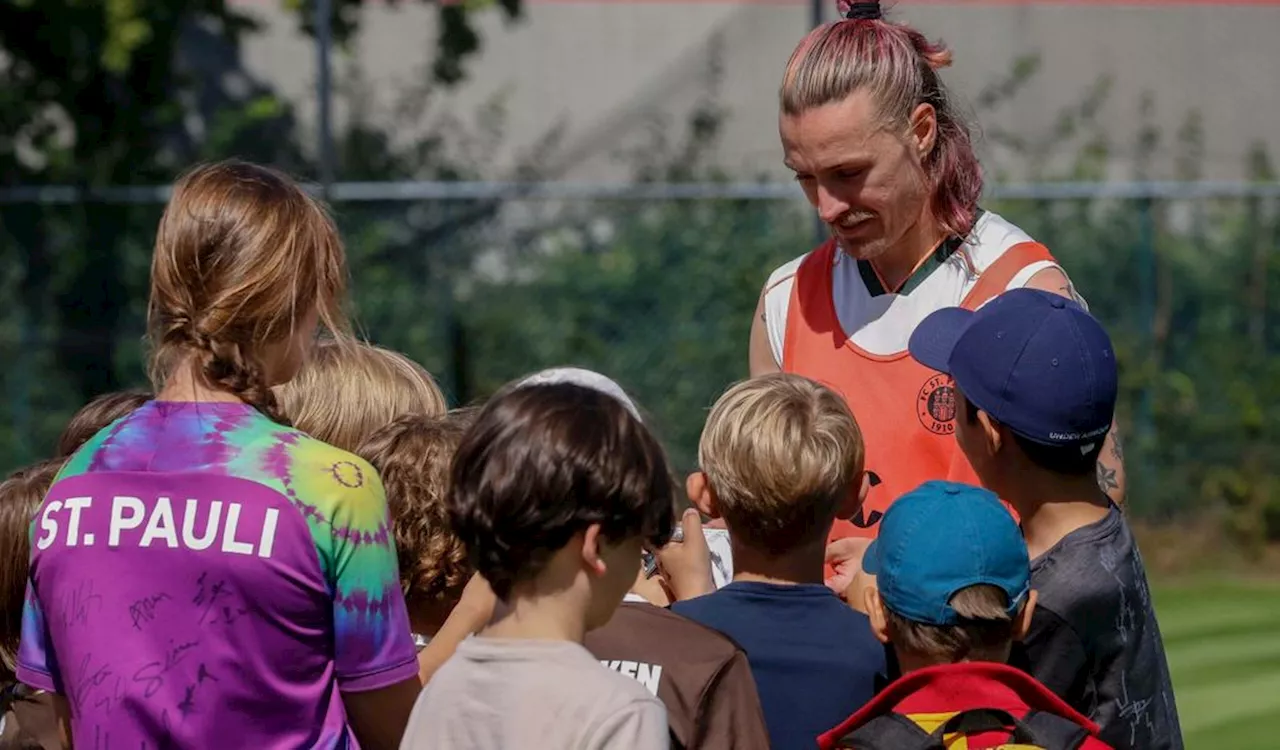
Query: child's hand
478	604
470	615
652	588
845	558
686	564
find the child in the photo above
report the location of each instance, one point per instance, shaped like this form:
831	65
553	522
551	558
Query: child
553	491
27	716
97	414
198	568
412	455
1037	382
347	391
345	394
781	459
702	678
952	593
717	539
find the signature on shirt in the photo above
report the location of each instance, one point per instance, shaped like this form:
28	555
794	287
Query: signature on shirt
144	610
152	675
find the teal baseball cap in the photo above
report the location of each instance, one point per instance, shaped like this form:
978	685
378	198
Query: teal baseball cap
943	537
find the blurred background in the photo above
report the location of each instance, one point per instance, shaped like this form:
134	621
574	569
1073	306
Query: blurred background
524	183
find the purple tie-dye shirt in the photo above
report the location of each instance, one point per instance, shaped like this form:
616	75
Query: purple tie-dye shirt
202	576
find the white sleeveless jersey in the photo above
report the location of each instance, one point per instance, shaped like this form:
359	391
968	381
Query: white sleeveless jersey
881	324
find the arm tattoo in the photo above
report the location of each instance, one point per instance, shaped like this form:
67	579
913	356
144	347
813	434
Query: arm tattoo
1107	478
1069	291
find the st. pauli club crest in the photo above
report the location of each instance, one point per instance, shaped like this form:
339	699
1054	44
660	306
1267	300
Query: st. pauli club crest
936	405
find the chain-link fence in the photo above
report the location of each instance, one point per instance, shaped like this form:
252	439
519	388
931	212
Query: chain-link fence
489	282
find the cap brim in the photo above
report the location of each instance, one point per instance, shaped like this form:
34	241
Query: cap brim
871	559
935	338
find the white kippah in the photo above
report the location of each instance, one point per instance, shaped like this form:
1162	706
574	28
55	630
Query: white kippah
586	379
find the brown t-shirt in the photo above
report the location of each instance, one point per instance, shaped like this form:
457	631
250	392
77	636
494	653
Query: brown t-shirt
699	674
28	720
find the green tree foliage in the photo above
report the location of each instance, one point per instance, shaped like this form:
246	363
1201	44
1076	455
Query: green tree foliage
656	294
659	295
101	92
456	40
88	100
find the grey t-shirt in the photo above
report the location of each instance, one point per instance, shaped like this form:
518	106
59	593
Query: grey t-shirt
497	693
1094	639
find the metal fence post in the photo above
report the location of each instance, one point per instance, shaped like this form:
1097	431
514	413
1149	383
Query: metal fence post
459	366
816	17
1147	310
324	94
23	392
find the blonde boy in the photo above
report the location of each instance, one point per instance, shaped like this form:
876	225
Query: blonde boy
781	458
346	392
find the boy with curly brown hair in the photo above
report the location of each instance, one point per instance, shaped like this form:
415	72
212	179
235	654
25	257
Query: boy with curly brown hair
412	455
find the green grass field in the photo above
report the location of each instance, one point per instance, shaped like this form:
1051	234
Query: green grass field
1223	644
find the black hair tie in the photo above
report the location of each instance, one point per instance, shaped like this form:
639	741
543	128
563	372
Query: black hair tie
864	11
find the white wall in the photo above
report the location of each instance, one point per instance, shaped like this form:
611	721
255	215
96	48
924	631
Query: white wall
598	66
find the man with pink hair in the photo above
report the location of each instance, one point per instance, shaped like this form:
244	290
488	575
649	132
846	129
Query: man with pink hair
882	153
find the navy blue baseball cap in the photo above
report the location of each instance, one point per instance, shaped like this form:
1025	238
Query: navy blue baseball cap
943	537
1035	361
